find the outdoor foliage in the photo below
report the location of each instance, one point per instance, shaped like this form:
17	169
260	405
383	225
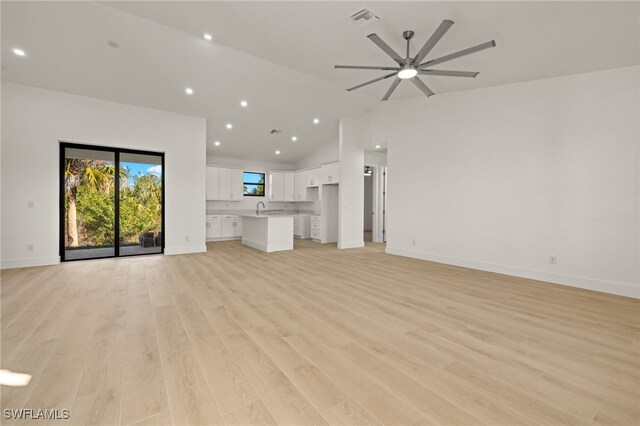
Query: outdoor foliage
89	208
140	208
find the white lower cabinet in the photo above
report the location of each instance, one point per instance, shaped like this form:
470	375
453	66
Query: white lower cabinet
224	226
316	231
237	227
214	226
227	226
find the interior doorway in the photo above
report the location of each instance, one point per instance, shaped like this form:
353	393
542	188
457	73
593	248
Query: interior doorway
368	203
111	202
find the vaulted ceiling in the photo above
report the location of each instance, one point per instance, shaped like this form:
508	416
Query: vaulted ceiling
279	57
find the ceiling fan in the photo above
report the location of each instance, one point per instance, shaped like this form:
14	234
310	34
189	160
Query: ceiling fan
410	67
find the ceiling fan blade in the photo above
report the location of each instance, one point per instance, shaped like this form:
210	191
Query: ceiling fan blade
391	89
384	46
459	54
422	86
449	73
371	81
365	67
435	38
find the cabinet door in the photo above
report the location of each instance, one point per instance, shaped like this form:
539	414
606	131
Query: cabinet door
276	186
300	185
236	184
334	177
331	173
237	231
225	184
312	178
289	186
213	228
227	227
213	183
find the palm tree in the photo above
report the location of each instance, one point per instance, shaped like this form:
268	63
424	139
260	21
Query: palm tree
98	175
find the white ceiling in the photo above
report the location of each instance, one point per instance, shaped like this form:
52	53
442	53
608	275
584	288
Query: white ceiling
279	56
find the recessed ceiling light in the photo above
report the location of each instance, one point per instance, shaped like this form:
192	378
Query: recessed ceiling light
277	152
19	52
229	126
294	138
244	104
316	121
188	91
217	143
207	36
377	146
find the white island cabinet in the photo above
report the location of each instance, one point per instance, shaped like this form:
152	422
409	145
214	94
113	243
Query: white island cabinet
268	232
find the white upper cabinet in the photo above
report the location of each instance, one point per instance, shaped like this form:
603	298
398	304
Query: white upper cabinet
237	189
300	192
289	186
282	186
224	184
313	177
330	173
213	183
276	186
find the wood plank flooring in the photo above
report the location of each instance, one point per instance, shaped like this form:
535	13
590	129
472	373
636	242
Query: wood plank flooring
314	336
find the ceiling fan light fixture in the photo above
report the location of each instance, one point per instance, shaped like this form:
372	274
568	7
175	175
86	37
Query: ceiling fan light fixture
407	72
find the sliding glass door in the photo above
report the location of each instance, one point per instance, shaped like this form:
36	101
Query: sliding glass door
111	202
140	204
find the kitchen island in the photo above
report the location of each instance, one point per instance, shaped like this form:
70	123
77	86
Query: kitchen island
268	232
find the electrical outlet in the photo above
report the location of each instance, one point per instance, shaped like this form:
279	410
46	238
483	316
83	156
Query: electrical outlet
413	242
30	204
29	247
186	238
553	260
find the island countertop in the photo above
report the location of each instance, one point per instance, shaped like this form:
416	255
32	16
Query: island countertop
264	216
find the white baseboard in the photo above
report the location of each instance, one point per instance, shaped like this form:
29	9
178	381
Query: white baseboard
213	240
253	244
184	250
355	244
620	289
33	261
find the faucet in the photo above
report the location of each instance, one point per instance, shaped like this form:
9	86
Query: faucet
258	207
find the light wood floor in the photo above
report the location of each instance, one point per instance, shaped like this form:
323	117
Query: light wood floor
314	336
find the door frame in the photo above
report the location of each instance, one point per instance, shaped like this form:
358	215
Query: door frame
116	202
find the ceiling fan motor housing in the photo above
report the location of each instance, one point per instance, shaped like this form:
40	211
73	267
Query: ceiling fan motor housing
408	35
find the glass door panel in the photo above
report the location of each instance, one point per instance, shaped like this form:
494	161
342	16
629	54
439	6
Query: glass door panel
140	204
89	204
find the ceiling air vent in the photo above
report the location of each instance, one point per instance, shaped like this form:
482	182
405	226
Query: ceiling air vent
364	17
275	131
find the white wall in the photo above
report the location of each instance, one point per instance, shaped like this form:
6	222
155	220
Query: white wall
374	158
328	153
249	203
351	195
35	120
502	178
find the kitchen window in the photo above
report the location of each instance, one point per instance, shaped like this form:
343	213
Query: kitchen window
253	184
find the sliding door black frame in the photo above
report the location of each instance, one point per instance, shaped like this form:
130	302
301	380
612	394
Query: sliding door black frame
116	226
